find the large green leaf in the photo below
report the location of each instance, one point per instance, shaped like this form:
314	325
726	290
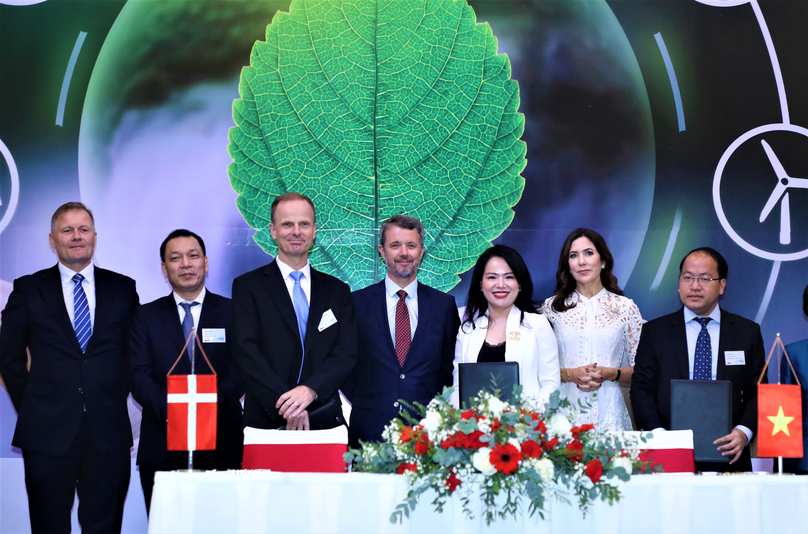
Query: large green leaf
378	108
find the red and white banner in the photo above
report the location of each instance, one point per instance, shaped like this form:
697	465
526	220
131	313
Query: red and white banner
192	402
672	449
296	451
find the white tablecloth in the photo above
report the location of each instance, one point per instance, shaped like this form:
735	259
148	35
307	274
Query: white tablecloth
261	501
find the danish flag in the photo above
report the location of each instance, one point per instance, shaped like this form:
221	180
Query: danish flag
192	402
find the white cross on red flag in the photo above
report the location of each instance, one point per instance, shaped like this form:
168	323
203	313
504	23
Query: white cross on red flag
192	412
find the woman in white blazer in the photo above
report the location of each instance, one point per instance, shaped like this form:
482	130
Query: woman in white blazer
500	323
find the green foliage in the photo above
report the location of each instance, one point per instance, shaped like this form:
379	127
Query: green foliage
378	108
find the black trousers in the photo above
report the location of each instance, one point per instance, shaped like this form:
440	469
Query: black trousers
100	480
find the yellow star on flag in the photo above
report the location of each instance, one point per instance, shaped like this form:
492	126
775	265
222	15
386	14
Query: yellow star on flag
780	422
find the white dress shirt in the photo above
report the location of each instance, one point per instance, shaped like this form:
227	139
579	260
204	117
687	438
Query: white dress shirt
305	280
411	301
88	284
196	311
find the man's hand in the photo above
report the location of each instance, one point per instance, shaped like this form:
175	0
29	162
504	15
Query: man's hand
735	442
293	403
298	423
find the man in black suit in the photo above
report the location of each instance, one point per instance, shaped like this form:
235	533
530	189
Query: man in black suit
293	327
72	422
701	341
155	343
408	338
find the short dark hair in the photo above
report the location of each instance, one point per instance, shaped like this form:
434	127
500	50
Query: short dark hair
180	232
566	283
290	196
723	268
70	206
805	301
402	221
476	305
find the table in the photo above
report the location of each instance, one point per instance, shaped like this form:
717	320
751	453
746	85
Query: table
263	501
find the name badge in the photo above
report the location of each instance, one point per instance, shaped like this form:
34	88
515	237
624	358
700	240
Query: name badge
327	320
734	357
213	335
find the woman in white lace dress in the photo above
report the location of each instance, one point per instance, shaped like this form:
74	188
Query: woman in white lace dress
597	328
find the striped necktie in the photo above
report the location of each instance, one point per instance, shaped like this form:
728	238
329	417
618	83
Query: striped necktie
81	313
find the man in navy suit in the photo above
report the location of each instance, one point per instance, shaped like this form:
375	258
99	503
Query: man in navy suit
155	343
732	349
72	421
408	332
293	330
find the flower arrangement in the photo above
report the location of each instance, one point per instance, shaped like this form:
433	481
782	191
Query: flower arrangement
500	447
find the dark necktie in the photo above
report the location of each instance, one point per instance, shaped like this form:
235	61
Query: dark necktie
703	361
402	327
187	328
81	313
302	312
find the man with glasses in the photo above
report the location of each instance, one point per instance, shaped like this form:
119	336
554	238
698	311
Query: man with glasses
701	342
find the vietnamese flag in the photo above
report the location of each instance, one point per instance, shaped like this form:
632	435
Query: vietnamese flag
779	421
191	412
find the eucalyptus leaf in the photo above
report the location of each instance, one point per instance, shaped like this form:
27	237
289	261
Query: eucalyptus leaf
373	108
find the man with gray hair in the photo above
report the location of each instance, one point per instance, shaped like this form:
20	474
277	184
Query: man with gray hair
72	421
408	333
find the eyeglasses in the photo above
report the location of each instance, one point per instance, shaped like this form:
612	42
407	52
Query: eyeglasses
691	279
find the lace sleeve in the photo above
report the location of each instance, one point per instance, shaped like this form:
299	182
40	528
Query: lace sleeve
634	322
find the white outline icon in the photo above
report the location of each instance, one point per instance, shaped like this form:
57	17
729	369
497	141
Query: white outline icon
784	182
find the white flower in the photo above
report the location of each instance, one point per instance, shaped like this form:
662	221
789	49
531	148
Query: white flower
560	426
515	443
483	426
481	460
623	462
431	422
496	406
545	469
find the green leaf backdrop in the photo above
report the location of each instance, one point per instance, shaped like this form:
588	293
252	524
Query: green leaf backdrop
378	108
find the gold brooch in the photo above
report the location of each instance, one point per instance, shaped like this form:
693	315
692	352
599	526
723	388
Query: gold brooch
514	336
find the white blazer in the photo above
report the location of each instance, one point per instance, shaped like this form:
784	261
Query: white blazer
530	343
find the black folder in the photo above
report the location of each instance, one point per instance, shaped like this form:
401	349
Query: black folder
705	407
489	376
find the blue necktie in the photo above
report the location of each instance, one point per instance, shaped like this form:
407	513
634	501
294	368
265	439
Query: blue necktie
81	313
187	328
703	361
301	311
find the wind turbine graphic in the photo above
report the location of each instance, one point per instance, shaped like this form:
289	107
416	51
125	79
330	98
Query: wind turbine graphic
784	181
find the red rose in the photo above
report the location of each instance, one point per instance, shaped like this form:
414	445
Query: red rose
496	425
577	430
473	441
505	458
594	470
422	444
587	427
575	451
407	433
468	414
541	428
550	445
531	449
453	481
403	468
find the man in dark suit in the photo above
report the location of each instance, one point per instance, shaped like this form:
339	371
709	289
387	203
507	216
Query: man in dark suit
157	338
72	422
701	342
293	327
408	332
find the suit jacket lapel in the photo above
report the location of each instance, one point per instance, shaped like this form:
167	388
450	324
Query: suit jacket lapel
382	325
726	336
170	318
207	319
280	295
679	343
424	315
317	307
53	295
